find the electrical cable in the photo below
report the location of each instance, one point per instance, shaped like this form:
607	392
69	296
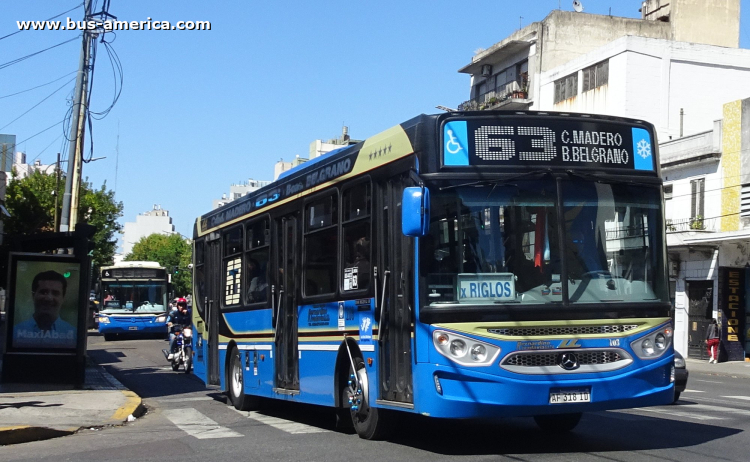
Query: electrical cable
50	19
39	133
37	104
38	86
18	60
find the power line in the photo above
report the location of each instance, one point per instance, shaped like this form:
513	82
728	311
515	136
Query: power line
37	104
18	60
38	86
50	19
39	133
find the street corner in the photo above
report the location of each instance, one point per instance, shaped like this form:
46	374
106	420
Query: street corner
16	434
132	405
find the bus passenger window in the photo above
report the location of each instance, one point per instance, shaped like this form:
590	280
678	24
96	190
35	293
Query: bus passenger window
321	246
357	268
256	261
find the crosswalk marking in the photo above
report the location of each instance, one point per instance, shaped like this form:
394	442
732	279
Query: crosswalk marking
746	398
198	425
693	391
281	424
727	410
689	415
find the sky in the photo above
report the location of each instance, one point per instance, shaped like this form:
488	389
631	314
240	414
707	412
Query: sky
202	110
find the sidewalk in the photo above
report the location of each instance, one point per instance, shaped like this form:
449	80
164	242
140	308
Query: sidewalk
738	369
31	412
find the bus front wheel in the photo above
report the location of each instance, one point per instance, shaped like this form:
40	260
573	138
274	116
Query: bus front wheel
558	423
370	423
235	385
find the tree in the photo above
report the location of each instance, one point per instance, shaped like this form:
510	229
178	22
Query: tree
31	204
171	251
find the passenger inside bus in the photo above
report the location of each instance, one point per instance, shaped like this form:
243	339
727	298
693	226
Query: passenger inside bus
258	284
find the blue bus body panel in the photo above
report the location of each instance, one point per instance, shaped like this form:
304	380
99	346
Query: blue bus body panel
475	394
486	392
133	325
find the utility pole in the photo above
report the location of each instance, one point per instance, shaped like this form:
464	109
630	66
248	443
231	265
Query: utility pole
69	215
57	188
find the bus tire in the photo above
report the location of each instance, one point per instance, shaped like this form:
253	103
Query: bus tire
370	423
236	385
558	423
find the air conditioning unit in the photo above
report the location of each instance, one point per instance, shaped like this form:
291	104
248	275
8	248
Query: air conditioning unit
486	70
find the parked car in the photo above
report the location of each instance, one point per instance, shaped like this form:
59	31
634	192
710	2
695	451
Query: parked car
680	375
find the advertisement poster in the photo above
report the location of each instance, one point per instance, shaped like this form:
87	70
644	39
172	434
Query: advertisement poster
44	303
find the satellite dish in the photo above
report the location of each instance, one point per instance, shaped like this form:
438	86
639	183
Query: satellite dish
578	6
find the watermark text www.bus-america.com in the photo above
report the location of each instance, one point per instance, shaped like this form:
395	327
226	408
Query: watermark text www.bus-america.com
113	25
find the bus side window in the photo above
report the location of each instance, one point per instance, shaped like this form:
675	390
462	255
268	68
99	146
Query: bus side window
356	219
321	246
256	261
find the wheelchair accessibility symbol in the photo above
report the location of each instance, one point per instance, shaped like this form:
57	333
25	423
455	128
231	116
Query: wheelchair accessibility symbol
455	143
452	145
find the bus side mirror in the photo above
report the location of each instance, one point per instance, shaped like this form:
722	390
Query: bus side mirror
415	211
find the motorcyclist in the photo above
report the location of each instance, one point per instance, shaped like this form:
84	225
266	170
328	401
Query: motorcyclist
177	321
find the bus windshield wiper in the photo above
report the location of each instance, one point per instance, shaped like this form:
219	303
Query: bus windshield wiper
498	181
599	179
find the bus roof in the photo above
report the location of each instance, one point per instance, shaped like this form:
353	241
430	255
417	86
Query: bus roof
424	133
134	264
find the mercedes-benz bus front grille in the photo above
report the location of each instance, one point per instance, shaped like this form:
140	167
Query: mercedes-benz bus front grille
566	361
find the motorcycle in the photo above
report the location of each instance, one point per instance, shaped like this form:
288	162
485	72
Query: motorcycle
182	353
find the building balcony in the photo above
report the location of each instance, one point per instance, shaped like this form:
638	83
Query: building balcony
512	98
682	225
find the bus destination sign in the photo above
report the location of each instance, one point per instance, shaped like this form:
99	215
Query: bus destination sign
554	142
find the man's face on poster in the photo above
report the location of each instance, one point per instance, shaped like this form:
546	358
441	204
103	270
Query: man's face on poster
48	298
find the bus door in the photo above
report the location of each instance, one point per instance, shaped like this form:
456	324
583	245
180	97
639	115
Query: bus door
285	319
396	281
212	306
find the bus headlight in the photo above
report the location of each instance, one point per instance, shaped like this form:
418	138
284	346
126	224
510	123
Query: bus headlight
458	348
464	350
161	319
104	319
654	344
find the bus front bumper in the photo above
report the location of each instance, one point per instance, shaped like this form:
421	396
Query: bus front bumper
472	394
115	327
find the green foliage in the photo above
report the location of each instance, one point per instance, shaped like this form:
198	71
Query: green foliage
172	252
31	203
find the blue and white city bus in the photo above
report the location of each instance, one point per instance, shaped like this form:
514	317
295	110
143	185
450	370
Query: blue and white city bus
133	299
464	265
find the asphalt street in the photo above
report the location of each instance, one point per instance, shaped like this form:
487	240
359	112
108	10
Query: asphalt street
187	421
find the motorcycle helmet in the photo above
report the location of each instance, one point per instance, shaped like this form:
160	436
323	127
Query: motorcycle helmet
181	302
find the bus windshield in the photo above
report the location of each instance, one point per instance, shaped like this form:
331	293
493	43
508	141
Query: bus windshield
142	297
507	243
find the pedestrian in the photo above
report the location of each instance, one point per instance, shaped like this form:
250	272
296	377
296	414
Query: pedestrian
712	341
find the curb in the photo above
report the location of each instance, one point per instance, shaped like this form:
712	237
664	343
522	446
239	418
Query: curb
133	406
25	433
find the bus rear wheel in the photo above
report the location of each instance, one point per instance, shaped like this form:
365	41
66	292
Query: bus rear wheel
370	423
558	423
236	386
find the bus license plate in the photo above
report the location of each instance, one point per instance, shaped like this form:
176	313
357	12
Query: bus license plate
570	396
133	328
